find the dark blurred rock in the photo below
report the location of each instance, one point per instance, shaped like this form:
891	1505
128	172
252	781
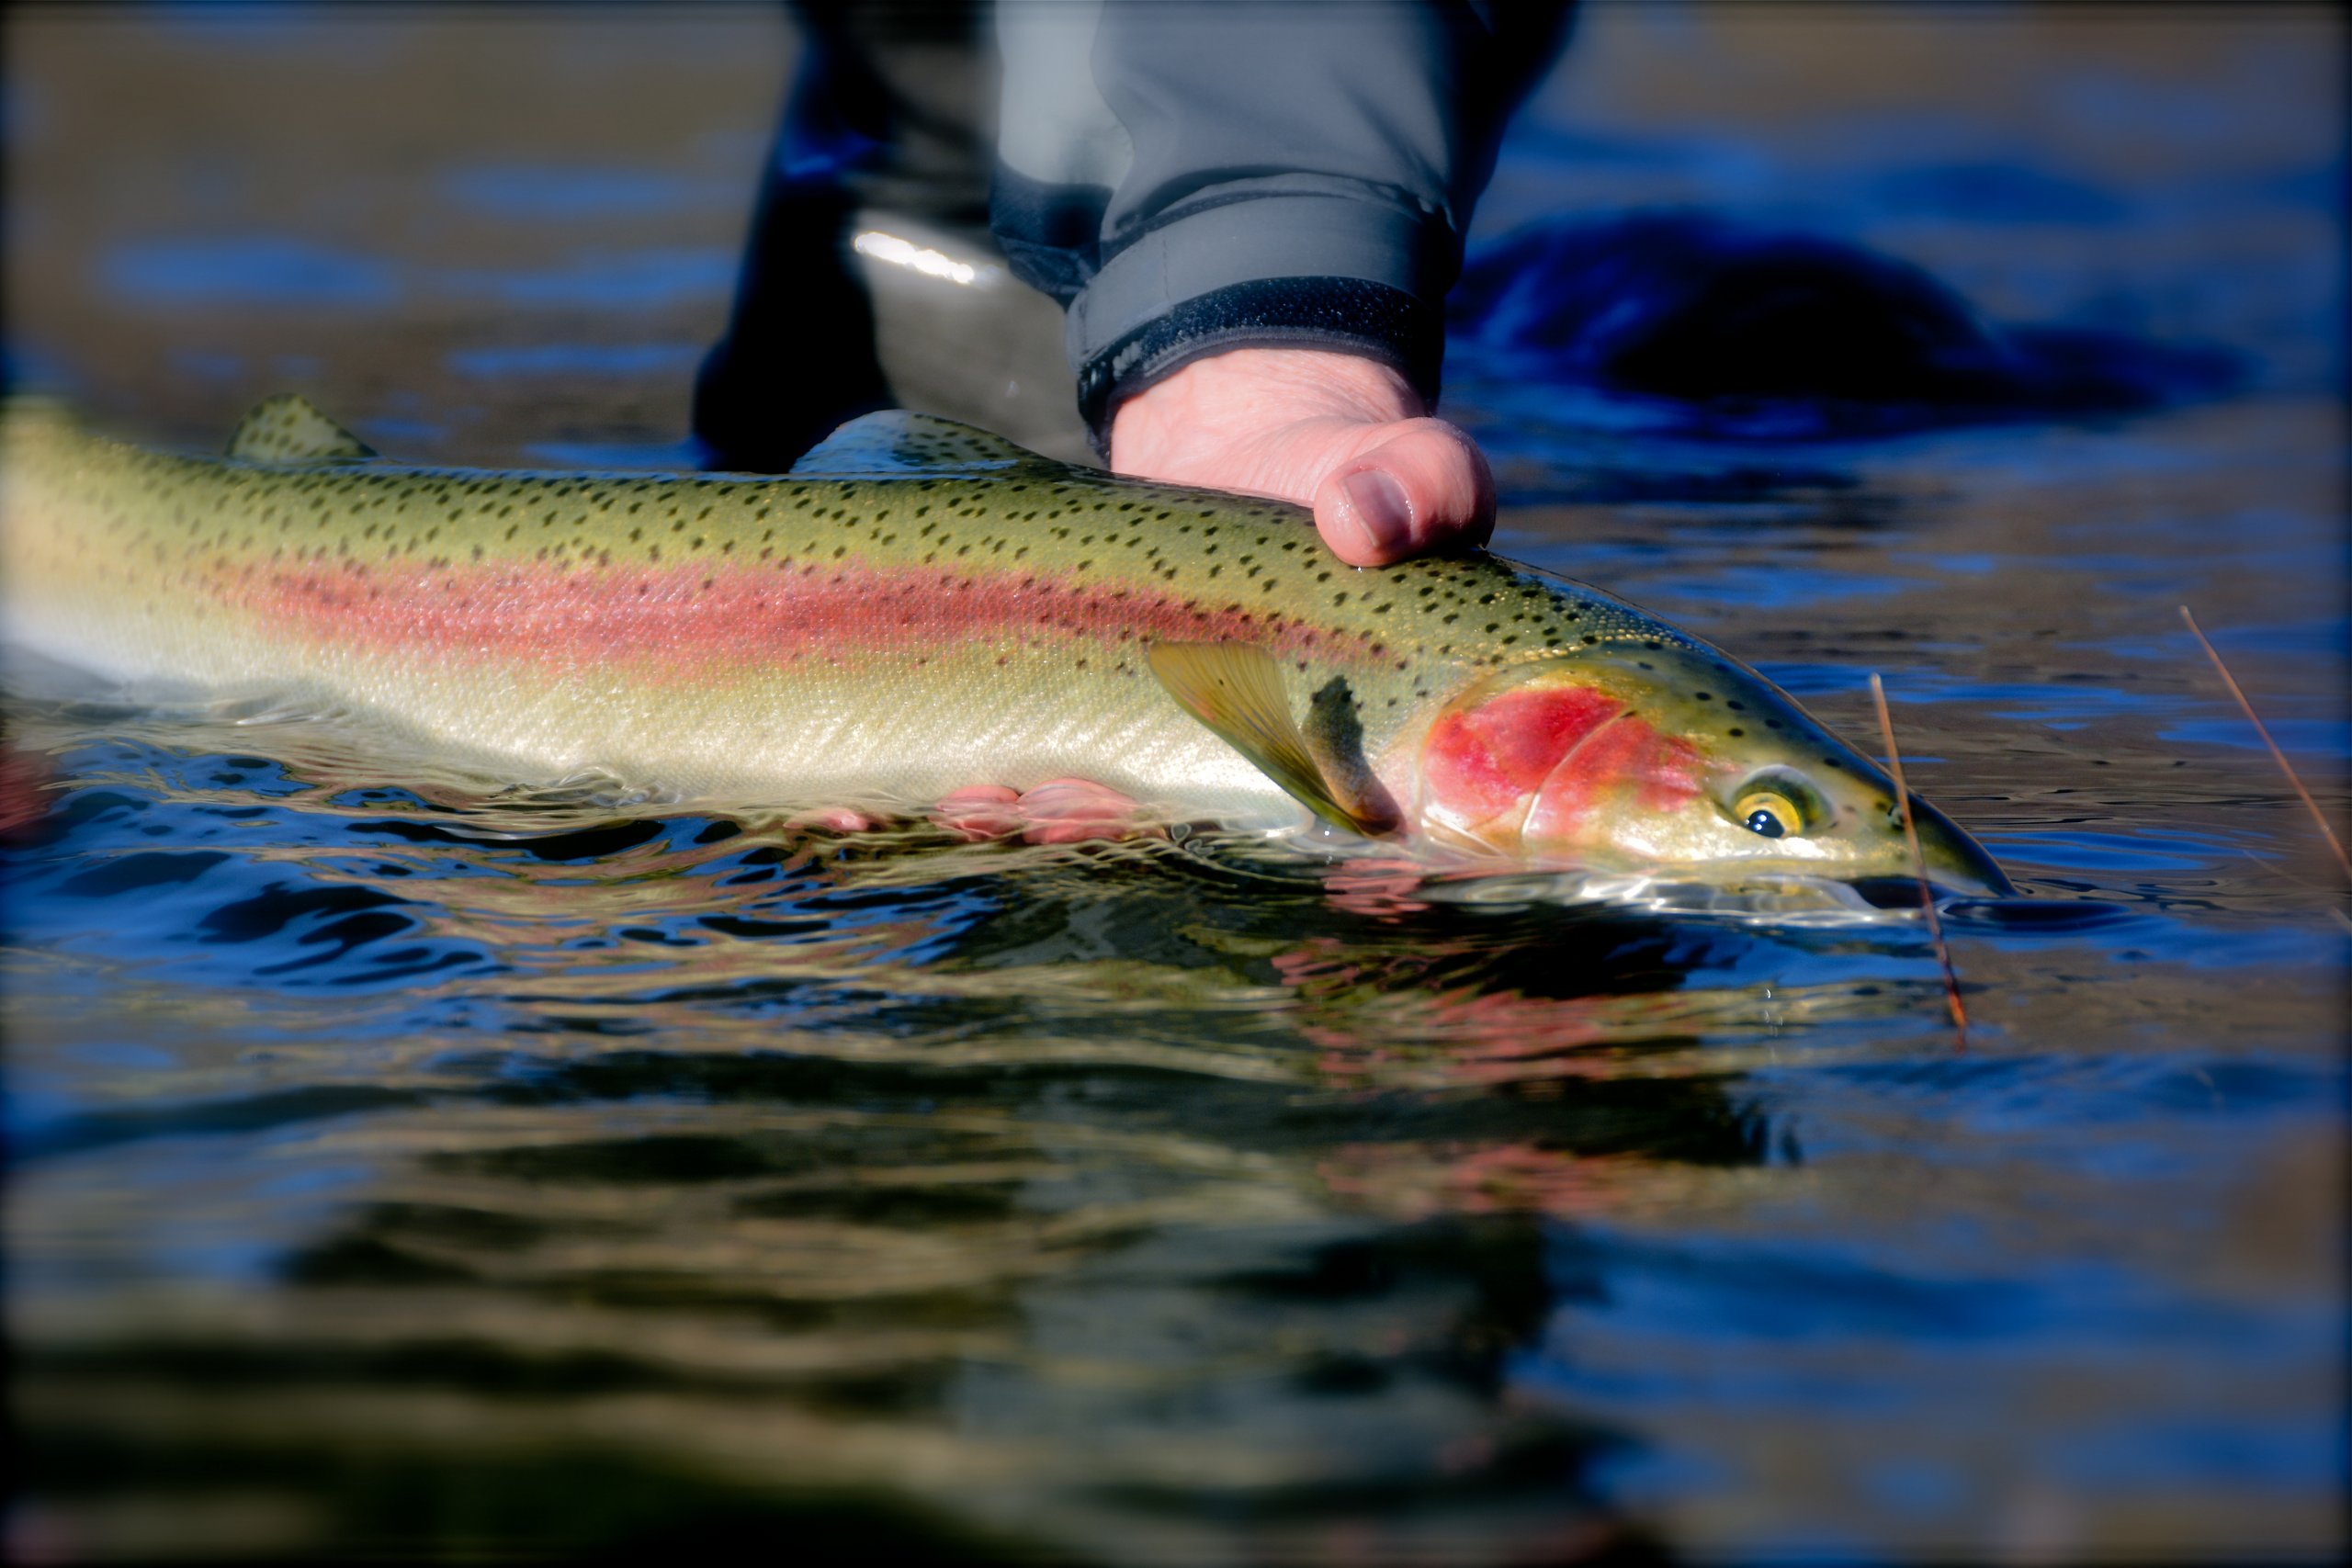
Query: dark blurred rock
1762	331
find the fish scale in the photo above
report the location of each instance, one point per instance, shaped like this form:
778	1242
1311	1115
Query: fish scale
917	608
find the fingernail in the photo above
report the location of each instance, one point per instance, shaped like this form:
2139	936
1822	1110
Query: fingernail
1379	503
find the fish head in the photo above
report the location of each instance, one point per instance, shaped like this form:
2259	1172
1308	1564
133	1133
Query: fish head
1664	753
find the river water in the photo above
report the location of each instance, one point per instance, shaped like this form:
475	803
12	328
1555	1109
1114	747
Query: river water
406	1163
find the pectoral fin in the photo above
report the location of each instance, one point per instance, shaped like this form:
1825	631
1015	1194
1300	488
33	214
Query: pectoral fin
289	428
1237	690
1334	733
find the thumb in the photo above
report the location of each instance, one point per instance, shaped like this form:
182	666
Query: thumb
1413	487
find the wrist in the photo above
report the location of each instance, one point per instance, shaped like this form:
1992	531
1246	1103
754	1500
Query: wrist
1226	400
1350	317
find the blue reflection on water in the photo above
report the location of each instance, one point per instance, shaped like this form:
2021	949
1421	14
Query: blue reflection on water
577	359
659	456
2301	737
247	270
1989	191
635	280
534	192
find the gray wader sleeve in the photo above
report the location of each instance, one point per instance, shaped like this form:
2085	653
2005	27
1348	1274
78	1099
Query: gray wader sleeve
1187	178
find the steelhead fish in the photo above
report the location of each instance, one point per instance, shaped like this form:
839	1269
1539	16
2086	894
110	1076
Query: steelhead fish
920	607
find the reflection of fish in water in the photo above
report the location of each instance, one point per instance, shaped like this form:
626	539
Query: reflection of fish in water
920	608
1766	332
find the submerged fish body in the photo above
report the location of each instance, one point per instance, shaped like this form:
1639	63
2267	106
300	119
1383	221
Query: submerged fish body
919	608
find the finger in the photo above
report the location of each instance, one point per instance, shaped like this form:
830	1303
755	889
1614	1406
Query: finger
1425	488
983	811
1071	811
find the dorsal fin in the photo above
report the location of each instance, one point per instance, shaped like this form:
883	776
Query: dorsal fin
895	444
1236	688
289	428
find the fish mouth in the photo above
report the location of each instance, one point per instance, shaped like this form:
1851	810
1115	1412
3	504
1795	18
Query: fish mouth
1951	859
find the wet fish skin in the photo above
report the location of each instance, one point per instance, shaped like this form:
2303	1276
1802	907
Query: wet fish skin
921	608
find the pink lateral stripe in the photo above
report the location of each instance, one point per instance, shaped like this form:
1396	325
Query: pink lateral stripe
696	619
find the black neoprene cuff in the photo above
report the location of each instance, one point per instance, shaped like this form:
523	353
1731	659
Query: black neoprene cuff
1350	315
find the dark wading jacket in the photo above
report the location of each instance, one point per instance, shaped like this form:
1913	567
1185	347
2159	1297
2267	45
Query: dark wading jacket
1189	177
1182	175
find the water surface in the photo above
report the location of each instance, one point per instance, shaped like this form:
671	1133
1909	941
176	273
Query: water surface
406	1162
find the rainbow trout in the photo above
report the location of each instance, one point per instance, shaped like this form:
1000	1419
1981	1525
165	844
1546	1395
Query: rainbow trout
920	607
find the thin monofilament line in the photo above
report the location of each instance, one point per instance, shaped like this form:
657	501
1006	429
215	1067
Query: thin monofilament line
1919	861
2262	730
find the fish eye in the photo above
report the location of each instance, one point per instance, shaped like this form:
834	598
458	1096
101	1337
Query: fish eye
1773	815
1777	803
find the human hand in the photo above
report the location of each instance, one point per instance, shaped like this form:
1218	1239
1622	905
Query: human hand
1343	435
